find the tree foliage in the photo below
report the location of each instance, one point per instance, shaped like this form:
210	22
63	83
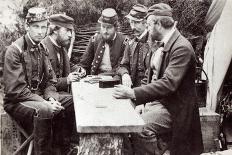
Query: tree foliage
190	14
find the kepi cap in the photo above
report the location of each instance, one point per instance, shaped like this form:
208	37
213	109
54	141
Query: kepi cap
108	16
160	9
36	14
61	20
137	13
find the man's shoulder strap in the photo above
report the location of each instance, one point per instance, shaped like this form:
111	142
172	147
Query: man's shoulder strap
18	47
19	44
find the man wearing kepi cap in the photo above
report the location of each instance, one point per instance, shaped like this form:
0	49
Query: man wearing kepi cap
172	119
61	32
132	67
105	49
28	79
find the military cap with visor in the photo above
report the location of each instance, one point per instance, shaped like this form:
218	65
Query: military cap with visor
109	16
36	14
62	20
160	9
137	13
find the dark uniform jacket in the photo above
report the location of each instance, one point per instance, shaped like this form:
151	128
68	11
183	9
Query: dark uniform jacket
61	68
18	74
92	57
175	88
133	61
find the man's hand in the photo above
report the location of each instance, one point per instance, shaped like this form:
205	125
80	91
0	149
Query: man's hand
124	92
72	77
126	80
56	106
139	109
81	72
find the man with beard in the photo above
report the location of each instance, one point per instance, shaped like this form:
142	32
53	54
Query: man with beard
28	79
105	50
172	120
57	42
132	68
61	31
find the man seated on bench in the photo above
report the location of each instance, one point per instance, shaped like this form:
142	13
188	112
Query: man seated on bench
105	50
59	39
28	79
171	112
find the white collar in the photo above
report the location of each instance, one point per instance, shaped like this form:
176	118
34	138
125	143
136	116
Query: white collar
168	35
54	42
33	43
143	34
114	36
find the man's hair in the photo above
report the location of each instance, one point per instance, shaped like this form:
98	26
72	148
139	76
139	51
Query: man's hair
144	21
52	28
163	14
166	21
115	25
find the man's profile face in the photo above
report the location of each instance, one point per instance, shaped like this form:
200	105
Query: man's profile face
64	36
153	28
138	27
108	31
37	30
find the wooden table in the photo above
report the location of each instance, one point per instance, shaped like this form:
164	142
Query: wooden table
102	120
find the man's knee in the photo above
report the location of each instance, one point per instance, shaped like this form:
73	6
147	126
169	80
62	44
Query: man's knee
66	100
158	119
44	111
149	142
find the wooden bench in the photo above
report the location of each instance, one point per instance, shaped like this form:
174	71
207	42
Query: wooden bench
9	136
210	122
102	120
11	139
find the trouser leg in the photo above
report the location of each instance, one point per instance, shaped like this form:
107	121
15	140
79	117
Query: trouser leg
38	116
152	141
42	135
64	123
127	147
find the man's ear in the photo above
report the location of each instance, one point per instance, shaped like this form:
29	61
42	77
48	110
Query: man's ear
159	25
55	32
26	26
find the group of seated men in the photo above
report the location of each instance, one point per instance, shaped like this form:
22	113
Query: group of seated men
156	67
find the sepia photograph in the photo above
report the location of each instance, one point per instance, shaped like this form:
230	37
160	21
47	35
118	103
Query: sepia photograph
115	77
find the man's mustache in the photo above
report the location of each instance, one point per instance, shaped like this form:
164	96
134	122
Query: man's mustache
135	31
105	33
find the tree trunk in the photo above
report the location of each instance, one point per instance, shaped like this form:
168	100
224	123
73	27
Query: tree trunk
100	144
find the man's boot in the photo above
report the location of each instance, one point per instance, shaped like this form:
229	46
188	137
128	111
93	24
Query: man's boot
66	137
42	135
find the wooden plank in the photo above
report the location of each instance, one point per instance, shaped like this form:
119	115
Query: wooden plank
10	138
97	111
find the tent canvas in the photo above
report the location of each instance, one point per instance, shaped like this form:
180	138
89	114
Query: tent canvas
218	54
